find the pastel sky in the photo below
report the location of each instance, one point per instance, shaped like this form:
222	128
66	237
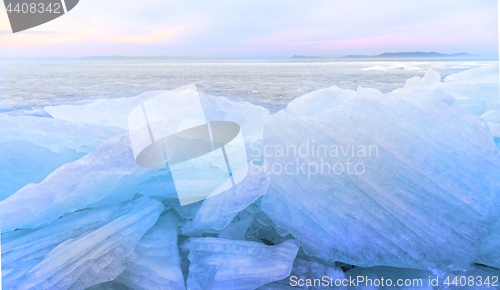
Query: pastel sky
258	28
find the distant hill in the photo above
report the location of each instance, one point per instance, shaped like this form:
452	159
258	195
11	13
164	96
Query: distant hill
413	55
398	55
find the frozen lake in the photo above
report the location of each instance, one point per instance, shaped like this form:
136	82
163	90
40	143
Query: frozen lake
35	84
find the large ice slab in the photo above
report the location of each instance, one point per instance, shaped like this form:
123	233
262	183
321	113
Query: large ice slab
477	90
108	175
108	112
56	135
93	257
237	265
22	162
157	264
251	118
318	101
406	179
431	77
492	118
32	147
115	112
216	212
489	249
485	74
23	249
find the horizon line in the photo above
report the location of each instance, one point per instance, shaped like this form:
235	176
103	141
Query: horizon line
389	55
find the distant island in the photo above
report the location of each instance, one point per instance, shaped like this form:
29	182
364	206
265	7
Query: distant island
397	56
413	55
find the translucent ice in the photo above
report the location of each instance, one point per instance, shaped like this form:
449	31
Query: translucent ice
319	101
430	77
157	264
108	112
218	211
55	135
418	189
237	229
108	175
225	264
404	179
477	90
93	257
32	147
24	249
22	162
486	74
115	112
492	118
251	118
489	253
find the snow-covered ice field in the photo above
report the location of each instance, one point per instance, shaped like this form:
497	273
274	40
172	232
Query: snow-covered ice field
418	195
